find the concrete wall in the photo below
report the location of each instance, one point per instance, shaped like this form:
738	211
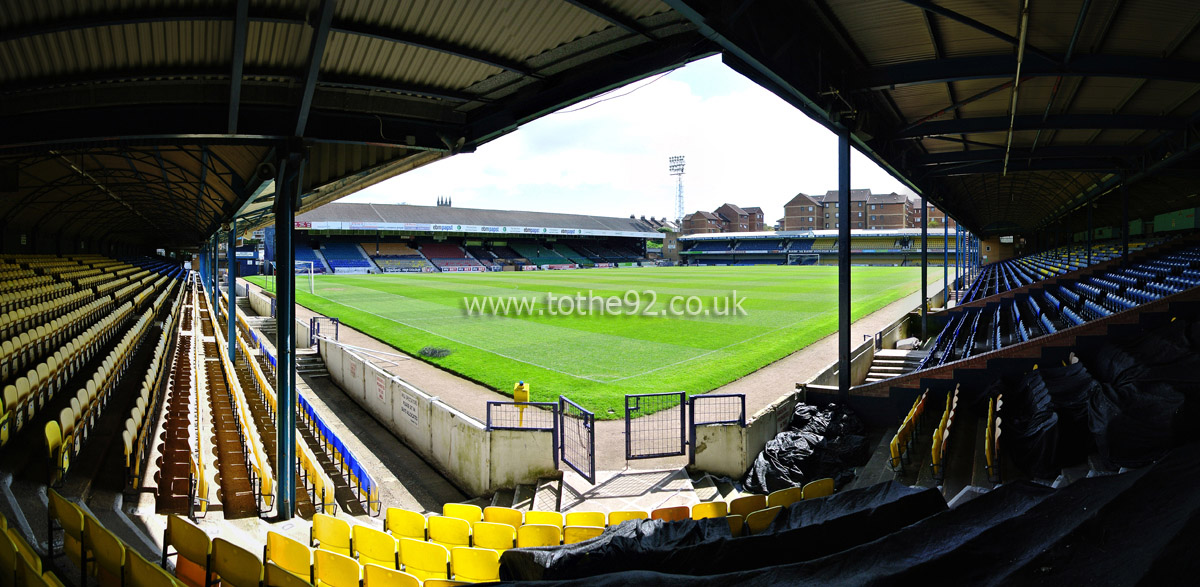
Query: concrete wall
261	303
860	363
477	460
729	449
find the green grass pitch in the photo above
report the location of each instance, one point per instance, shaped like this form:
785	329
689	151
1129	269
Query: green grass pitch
596	359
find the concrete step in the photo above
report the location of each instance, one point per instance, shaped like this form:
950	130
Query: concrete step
706	489
548	494
523	497
503	498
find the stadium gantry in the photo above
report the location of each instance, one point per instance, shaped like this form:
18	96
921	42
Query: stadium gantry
135	127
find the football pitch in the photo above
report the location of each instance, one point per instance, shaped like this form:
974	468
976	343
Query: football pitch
595	335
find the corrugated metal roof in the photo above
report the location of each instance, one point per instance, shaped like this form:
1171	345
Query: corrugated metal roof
405	213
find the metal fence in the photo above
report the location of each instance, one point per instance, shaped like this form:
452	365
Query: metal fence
714	409
578	438
525	416
654	425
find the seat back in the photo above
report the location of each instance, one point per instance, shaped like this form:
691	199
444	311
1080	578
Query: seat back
475	565
334	570
403	523
785	497
193	547
531	535
107	549
747	504
374	547
449	532
544	518
143	573
585	519
463	511
736	524
710	509
70	519
759	521
573	534
818	488
615	518
330	533
493	535
276	576
377	576
288	554
424	560
671	514
502	515
235	565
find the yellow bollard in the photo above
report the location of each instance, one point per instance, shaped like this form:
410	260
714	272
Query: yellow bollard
521	395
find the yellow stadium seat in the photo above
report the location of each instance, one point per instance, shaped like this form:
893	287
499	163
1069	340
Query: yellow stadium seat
331	569
585	519
503	515
49	579
8	560
276	576
544	518
747	504
443	583
785	497
330	533
759	521
531	535
234	565
373	547
615	518
671	514
140	572
424	560
736	524
193	547
54	452
463	511
573	534
449	532
710	509
818	488
30	575
494	536
403	523
377	576
70	518
475	565
107	550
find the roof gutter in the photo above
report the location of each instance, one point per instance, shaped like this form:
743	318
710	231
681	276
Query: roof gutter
1012	117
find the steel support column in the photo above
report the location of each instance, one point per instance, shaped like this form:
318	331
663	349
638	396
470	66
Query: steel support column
1124	224
231	284
924	267
945	262
1089	233
843	266
216	262
288	195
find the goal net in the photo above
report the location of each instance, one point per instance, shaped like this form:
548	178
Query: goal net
305	277
804	259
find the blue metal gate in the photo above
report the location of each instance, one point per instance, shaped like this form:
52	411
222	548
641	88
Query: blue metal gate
654	425
709	408
578	440
314	328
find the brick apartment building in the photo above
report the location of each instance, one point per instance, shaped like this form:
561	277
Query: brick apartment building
867	211
727	218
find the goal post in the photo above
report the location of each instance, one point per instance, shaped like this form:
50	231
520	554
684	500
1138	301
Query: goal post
804	259
305	272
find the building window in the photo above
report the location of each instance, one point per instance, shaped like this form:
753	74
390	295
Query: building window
837	214
827	214
872	206
860	225
810	208
860	214
838	225
835	204
810	218
872	218
860	204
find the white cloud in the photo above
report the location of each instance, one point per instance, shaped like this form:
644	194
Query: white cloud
608	156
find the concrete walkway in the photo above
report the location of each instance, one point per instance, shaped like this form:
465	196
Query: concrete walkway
761	387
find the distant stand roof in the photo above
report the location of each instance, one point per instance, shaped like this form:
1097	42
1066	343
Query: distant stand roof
406	213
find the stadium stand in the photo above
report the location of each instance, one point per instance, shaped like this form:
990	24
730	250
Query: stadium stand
397	257
306	253
1009	274
536	254
571	255
447	255
346	257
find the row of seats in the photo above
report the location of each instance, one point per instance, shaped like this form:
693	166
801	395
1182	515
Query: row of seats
352	469
1010	274
66	436
20	564
902	443
68	315
1066	303
941	436
29	393
258	462
136	436
97	552
25	283
346	255
27	297
312	475
402	265
991	438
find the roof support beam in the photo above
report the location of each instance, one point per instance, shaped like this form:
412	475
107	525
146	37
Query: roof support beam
1035	122
240	26
316	51
431	44
979	26
621	21
1001	66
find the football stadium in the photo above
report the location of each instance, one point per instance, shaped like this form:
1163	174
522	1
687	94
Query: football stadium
217	370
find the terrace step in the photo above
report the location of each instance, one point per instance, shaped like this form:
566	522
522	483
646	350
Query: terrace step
523	497
548	493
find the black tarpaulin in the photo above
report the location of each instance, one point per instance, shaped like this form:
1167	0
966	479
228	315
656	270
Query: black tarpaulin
806	530
819	443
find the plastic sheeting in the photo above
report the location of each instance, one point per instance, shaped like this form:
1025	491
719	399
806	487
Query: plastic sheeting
1139	527
806	530
819	443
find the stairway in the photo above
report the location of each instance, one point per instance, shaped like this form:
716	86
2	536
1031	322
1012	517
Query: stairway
310	364
890	363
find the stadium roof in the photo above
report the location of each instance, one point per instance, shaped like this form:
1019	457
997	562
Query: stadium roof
386	216
148	121
830	233
1108	90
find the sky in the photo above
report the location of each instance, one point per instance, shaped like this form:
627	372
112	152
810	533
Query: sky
608	156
